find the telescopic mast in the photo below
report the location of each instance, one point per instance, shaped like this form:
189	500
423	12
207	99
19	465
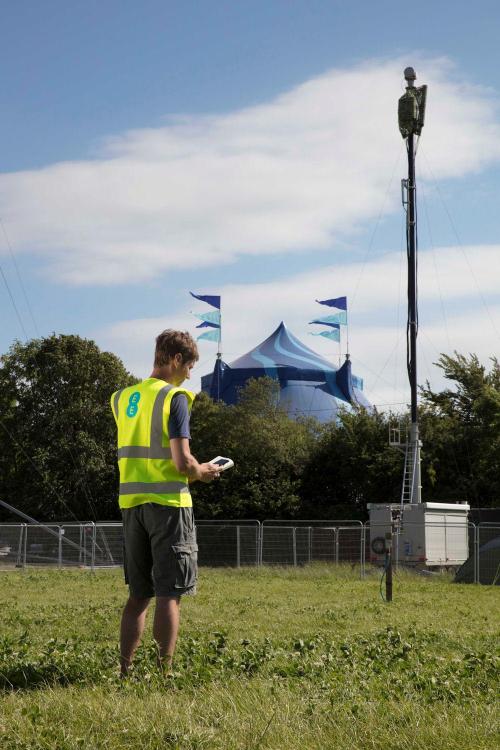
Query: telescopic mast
411	113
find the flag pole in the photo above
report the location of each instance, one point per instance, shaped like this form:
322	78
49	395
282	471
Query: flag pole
219	353
347	332
209	321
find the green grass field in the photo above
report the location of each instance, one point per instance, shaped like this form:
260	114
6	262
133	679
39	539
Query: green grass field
269	658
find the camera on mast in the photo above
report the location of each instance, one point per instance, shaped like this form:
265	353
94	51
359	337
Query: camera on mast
410	76
411	107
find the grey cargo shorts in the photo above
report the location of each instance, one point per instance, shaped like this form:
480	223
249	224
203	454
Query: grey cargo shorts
161	554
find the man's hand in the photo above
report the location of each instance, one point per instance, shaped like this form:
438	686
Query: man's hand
208	472
186	463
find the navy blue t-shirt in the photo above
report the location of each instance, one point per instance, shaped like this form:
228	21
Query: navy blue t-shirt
178	421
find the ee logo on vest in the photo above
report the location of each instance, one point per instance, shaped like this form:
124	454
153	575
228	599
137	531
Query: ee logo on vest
133	404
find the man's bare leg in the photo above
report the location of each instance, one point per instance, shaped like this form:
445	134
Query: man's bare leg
165	628
132	627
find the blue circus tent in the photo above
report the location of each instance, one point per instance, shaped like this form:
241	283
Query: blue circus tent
309	384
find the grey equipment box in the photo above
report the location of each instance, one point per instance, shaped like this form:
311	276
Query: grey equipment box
432	534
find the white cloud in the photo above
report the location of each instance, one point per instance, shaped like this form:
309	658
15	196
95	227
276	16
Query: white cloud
452	317
294	174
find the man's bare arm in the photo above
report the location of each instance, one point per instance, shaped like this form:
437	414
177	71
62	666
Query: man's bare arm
187	464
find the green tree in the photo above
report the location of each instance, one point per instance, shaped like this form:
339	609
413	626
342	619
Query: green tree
352	465
461	433
57	433
269	450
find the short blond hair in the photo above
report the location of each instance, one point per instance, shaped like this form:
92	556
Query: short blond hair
170	342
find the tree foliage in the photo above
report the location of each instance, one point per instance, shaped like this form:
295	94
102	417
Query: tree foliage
461	433
351	466
269	451
58	442
58	436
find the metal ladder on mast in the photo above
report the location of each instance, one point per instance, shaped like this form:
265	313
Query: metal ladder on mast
406	447
408	474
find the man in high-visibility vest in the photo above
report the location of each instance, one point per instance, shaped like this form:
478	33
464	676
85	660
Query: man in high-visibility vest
156	468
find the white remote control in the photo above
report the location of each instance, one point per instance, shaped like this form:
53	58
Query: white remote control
222	463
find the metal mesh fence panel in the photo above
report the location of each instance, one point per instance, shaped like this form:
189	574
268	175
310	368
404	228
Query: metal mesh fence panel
474	551
473	548
108	544
324	544
350	544
76	544
278	545
298	545
227	543
11	544
488	553
43	545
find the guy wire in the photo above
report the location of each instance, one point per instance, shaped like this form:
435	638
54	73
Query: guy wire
461	247
18	273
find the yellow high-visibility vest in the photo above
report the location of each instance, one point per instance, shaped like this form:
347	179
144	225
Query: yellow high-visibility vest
147	472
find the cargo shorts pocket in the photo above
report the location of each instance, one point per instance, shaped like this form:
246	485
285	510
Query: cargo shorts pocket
186	564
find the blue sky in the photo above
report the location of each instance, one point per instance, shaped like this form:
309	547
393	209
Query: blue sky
251	149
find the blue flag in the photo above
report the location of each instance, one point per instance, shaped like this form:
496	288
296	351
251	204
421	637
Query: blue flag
339	302
357	382
209	336
325	322
340	318
207	324
333	335
210	317
210	299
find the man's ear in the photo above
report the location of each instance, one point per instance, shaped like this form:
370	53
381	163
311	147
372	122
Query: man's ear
178	359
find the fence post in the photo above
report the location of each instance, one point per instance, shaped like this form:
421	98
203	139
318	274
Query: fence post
362	552
261	544
92	553
309	544
59	548
396	549
336	542
445	540
238	547
476	554
294	545
25	545
20	545
83	547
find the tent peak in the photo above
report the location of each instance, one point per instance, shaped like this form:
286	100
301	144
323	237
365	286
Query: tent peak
309	383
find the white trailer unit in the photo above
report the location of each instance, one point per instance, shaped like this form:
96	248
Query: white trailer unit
431	534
